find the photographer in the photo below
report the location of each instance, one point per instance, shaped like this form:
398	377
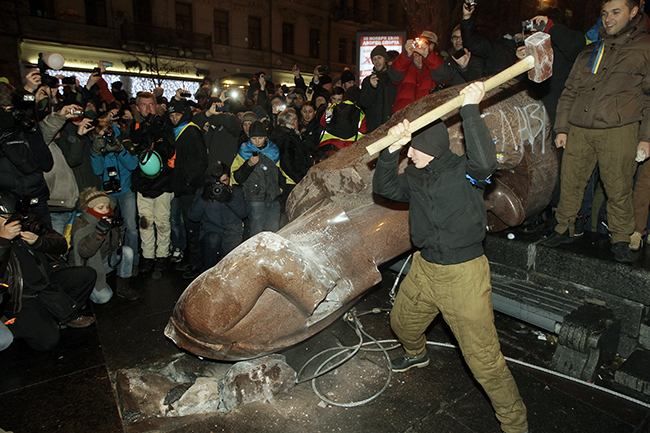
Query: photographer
497	55
377	90
151	136
97	242
115	166
222	131
413	68
220	209
24	156
38	294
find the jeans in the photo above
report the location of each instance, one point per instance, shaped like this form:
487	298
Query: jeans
216	245
263	217
60	220
6	337
178	227
123	263
126	203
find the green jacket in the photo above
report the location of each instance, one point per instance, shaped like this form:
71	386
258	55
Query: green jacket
609	84
447	216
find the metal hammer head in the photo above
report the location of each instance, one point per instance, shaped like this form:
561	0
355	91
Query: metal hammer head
539	46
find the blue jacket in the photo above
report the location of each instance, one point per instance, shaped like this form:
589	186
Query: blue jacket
123	161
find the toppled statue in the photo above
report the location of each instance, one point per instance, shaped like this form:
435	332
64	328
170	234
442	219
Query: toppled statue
277	289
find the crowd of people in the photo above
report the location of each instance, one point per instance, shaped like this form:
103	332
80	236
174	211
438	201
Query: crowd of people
94	180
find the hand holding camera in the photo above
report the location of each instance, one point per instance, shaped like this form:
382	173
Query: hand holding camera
10	229
409	47
182	94
469	6
536	24
32	81
71	111
374	80
462	57
28	237
103	226
85	126
253	160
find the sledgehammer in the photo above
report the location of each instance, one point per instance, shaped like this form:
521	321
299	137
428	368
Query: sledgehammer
538	63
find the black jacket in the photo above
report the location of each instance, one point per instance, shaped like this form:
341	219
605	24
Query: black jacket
221	138
295	158
24	157
190	163
377	102
76	150
447	215
497	54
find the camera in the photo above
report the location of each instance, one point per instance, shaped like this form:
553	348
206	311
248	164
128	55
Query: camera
255	154
96	72
28	222
186	95
113	183
530	26
114	221
76	113
217	191
50	81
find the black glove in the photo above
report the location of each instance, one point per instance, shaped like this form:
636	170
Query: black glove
103	226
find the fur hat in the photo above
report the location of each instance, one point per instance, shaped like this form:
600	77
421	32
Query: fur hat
433	140
249	116
258	129
91	197
379	50
430	36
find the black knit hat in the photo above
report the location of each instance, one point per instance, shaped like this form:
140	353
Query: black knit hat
433	140
324	79
178	106
257	130
346	76
379	50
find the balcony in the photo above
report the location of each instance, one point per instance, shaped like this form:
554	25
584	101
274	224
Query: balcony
68	32
160	37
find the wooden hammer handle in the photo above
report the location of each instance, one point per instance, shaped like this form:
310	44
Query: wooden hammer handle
506	75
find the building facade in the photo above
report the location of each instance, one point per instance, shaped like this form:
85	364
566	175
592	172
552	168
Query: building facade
224	39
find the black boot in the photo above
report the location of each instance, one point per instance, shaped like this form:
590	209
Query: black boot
158	268
124	289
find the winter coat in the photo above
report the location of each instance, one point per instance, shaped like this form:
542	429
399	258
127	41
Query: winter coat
264	181
222	138
295	159
377	102
218	217
497	55
24	157
414	83
77	152
609	84
90	249
447	215
190	160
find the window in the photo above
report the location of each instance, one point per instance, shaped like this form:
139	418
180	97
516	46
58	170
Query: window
375	10
96	12
343	50
42	8
221	27
184	16
254	32
142	11
314	43
287	38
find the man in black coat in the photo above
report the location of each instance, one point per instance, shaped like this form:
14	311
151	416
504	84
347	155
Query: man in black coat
450	274
377	90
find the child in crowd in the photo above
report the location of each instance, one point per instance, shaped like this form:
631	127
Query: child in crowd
97	242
